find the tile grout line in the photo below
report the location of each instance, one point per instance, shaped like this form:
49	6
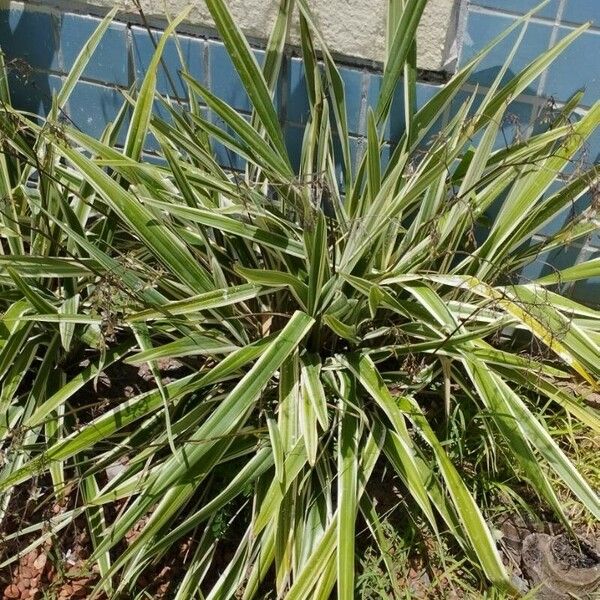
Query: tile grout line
509	14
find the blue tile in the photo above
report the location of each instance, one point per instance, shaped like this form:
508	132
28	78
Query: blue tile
27	38
109	62
153	159
192	50
224	79
395	126
294	136
548	262
514	124
373	89
386	154
356	150
164	114
93	106
159	110
483	27
588	290
227	158
581	11
567	215
353	84
298	109
521	6
576	68
34	92
425	92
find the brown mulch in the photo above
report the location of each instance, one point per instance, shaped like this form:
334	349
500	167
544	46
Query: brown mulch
59	568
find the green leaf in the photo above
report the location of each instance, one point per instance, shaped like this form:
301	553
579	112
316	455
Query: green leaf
583	270
199	303
226	417
497	397
167	247
277	448
83	59
273	279
348	456
46	266
191	345
316	242
537	435
142	112
468	511
313	388
400	47
250	73
255	147
229	225
70	305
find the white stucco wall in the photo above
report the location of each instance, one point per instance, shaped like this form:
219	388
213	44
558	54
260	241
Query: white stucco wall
353	28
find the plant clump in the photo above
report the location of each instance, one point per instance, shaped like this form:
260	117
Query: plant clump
287	380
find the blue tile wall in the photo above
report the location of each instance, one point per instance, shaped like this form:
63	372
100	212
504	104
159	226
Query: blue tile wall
109	63
548	262
589	289
395	126
573	11
515	124
582	11
567	215
297	109
33	92
520	7
224	80
169	81
92	107
41	45
294	134
483	27
576	68
30	37
353	87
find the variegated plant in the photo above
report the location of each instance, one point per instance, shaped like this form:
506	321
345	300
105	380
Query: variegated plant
331	320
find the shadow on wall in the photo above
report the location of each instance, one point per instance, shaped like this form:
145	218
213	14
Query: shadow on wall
27	39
